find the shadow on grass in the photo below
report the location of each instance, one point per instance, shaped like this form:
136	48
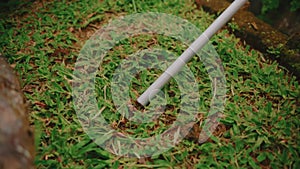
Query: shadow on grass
9	6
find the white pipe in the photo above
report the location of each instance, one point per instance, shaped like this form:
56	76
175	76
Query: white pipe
190	52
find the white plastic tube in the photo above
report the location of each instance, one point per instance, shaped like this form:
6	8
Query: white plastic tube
190	52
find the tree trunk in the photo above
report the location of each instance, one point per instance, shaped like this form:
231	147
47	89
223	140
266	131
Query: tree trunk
16	137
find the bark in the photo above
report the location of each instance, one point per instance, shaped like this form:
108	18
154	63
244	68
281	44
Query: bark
16	137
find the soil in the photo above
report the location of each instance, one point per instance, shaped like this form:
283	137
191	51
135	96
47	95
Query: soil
260	35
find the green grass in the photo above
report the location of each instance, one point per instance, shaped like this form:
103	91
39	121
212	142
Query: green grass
42	41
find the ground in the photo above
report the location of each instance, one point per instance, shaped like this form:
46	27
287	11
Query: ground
42	39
